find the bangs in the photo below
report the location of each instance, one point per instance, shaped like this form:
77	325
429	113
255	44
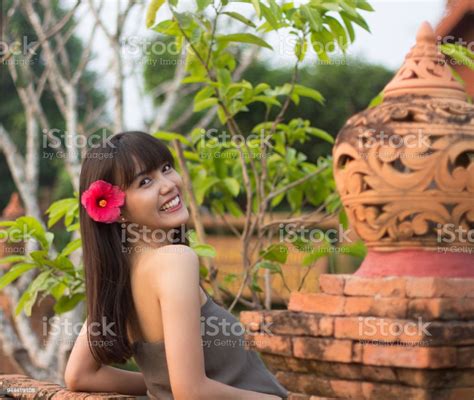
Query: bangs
138	152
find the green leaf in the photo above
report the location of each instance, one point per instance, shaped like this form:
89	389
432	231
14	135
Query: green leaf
271	101
256	5
357	249
349	27
151	11
240	18
60	208
71	247
270	17
203	104
58	290
319	133
357	19
316	254
7	223
274	268
277	199
34	229
275	252
168	136
14	272
229	278
204	250
233	208
201	187
233	185
364	5
308	92
12	259
244	38
204	93
376	100
338	32
68	303
202	4
313	17
459	53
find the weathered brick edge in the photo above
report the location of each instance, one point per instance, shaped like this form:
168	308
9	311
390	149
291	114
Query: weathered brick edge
316	347
25	388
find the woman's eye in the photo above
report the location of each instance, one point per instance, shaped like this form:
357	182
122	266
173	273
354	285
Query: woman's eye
168	165
143	182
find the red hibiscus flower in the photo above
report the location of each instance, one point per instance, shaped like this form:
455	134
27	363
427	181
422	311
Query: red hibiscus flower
102	201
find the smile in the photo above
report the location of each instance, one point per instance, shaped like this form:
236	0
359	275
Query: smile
172	205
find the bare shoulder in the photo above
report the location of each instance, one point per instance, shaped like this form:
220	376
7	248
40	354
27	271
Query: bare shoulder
171	266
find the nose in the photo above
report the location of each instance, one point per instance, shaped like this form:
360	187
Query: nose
167	185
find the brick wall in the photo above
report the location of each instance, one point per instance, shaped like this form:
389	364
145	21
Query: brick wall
363	338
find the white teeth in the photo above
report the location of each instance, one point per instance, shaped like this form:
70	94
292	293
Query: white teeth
170	204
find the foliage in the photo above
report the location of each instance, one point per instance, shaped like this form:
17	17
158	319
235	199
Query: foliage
262	166
57	274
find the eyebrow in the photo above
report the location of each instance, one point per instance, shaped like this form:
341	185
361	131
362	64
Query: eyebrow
139	174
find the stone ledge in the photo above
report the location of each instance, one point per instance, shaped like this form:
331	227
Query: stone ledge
25	388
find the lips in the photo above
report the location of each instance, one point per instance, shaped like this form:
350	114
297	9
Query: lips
172	203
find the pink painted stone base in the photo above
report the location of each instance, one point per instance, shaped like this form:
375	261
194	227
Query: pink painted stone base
417	263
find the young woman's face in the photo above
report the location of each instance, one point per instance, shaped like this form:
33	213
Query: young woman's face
147	195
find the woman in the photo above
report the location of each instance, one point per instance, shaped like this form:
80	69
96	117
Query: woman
144	298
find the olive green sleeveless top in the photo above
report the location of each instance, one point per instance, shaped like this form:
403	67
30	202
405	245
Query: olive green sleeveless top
225	358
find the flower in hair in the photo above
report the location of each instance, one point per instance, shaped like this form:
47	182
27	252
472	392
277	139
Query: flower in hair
102	201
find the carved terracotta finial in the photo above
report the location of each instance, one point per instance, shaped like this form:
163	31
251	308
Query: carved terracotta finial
424	71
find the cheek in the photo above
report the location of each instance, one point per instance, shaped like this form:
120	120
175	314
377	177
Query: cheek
178	180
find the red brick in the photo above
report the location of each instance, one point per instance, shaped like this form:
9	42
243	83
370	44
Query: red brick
440	287
451	333
322	349
346	389
281	322
304	383
409	356
332	283
316	303
436	378
326	326
390	307
455	394
269	343
298	396
385	287
391	392
465	357
380	329
441	308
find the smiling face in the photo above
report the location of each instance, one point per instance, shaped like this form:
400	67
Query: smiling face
154	199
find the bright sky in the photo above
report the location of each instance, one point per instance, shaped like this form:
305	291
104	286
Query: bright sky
393	24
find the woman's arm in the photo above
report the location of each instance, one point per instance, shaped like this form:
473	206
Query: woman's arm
84	373
173	273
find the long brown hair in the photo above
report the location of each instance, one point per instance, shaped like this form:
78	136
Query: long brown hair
106	265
